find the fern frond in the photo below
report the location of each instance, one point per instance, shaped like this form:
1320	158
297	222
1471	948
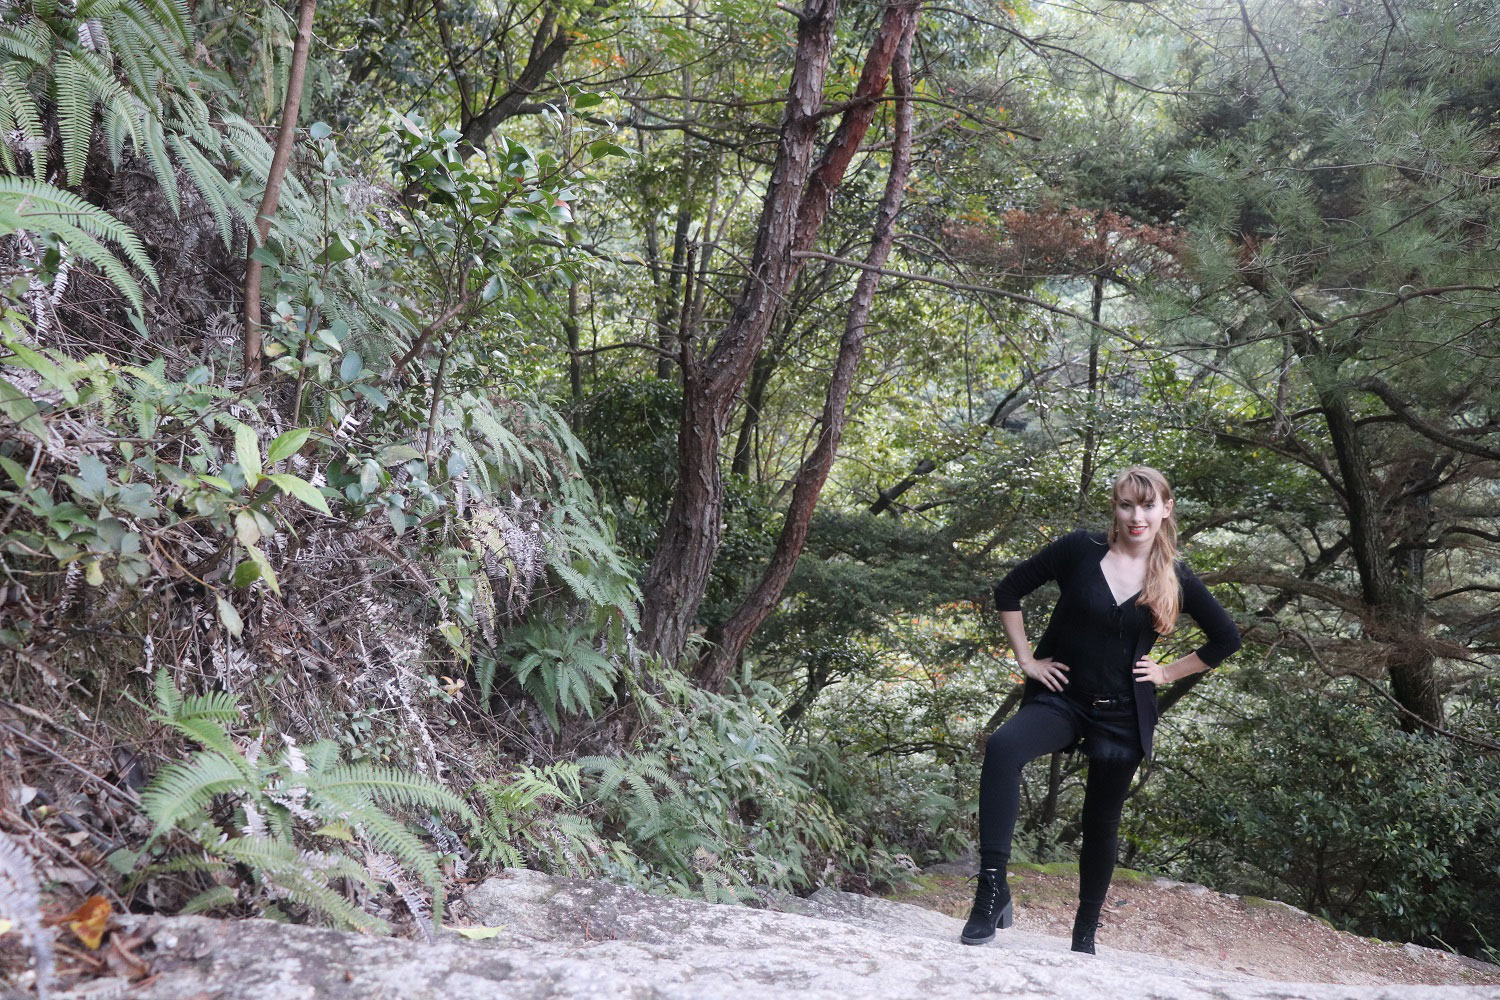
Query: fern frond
220	705
247	147
211	736
163	47
182	789
223	198
389	835
291	872
183	863
216	898
25	42
320	755
26	204
168	698
153	148
96	8
389	784
385	869
23	111
73	96
20	902
172	15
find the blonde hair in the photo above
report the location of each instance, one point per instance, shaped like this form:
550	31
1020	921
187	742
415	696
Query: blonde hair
1162	592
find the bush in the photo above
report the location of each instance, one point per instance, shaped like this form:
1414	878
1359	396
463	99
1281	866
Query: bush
1317	797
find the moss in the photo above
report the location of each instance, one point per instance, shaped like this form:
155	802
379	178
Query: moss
1056	868
916	885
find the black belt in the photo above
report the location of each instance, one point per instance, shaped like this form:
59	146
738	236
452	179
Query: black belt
1100	700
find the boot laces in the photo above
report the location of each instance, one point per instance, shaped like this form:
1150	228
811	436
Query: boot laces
1083	932
986	893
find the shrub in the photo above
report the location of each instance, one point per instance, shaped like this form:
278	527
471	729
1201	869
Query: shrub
1317	797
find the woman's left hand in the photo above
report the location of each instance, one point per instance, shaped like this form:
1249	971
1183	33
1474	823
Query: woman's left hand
1147	669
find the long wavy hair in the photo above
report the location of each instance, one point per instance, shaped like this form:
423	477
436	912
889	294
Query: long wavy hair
1162	592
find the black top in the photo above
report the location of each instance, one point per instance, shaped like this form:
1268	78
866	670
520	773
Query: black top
1096	638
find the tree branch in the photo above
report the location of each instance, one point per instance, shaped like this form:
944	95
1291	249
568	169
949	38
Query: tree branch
1416	422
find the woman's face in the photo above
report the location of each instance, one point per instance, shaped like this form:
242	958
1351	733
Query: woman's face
1138	518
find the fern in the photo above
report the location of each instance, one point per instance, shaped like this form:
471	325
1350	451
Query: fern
222	197
20	903
124	63
388	784
78	84
184	790
217	898
40	208
293	874
302	793
559	666
532	816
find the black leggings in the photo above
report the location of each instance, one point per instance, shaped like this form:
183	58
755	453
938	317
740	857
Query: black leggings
1043	725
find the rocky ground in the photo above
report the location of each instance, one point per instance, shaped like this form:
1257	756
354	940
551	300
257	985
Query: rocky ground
1214	930
531	936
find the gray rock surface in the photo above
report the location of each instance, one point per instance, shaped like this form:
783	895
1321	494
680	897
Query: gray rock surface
567	938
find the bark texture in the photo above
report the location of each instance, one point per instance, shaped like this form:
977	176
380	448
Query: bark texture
735	634
795	205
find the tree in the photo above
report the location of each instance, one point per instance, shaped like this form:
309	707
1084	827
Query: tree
290	112
799	193
1340	246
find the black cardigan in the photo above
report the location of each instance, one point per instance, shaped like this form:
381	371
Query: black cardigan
1073	561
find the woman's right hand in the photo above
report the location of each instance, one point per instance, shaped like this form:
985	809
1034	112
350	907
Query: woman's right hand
1049	673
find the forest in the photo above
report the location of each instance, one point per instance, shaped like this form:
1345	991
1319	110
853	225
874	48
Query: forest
446	435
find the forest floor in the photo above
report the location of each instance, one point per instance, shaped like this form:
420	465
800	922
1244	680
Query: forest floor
1195	924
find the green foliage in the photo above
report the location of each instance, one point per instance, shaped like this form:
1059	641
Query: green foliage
125	62
427	559
109	510
1315	797
533	816
299	819
718	805
63	221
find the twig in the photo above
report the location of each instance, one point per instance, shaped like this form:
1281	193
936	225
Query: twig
129	798
1250	28
964	286
1433	727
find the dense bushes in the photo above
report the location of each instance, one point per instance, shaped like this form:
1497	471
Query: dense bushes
1313	796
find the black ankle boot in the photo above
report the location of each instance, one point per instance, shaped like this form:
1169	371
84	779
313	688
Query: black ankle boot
992	908
1084	926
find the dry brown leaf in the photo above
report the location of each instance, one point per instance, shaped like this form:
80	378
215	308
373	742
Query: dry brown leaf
90	921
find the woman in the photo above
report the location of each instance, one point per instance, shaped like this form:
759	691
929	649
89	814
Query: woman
1089	682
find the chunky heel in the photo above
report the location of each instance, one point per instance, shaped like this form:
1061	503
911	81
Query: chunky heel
992	908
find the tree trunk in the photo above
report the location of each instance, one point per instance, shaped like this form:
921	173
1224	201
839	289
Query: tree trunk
290	111
1395	615
793	210
1091	431
735	634
575	363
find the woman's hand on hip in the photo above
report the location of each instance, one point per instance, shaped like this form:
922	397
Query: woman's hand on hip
1049	673
1147	669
